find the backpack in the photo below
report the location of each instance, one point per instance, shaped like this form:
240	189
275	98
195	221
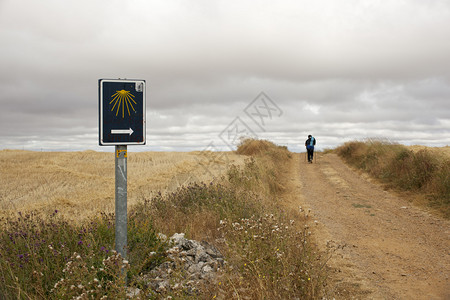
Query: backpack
311	143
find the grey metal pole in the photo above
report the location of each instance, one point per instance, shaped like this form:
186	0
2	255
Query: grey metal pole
121	199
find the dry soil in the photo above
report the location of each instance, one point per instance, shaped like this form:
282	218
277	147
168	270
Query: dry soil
382	246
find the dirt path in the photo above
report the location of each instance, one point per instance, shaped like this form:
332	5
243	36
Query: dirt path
384	247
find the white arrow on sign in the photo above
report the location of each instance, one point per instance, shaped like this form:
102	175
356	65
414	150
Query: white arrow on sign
122	131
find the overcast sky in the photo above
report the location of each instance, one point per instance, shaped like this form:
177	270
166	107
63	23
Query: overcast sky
339	70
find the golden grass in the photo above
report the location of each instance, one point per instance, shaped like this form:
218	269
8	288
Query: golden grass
439	151
261	147
422	173
80	184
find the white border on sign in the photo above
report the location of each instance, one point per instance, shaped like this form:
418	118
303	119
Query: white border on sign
144	122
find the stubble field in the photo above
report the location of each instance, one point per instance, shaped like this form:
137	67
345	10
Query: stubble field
80	184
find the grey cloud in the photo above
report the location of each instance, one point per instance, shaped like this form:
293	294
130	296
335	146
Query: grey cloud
354	68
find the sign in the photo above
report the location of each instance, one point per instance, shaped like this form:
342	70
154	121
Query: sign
121	112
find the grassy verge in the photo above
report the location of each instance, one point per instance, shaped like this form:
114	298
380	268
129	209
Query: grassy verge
423	173
267	249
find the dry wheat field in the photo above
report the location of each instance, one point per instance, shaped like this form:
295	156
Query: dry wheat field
79	184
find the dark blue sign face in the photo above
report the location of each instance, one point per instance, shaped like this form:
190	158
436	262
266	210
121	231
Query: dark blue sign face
122	112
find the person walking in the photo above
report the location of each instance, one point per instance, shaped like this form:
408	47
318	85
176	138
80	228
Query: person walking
310	143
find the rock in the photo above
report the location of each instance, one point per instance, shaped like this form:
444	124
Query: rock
207	269
191	265
162	237
133	292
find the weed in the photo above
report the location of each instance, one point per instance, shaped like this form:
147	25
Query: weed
421	172
49	258
357	205
271	257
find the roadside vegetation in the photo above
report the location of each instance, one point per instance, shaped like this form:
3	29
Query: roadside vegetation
423	173
268	250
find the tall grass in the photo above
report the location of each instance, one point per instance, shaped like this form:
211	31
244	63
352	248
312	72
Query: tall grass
47	257
268	251
423	172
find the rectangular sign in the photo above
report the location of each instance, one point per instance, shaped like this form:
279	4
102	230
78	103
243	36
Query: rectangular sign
121	112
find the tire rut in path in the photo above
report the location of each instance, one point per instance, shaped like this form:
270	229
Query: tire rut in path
384	247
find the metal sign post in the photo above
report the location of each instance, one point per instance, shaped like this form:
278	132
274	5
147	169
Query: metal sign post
121	123
121	200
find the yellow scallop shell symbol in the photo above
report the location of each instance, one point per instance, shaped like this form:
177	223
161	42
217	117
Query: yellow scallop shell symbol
122	99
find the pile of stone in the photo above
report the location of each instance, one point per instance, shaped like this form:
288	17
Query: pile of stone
190	266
